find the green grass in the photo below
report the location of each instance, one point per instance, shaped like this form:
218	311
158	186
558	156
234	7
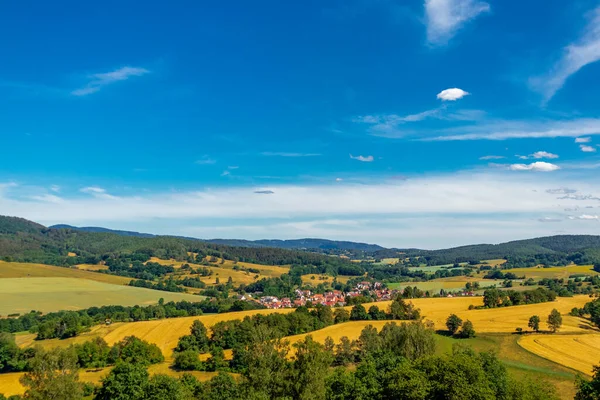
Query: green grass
520	363
21	295
436	285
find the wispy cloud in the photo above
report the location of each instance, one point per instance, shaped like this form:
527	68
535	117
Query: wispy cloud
205	160
562	190
97	192
538	166
264	192
583	140
587	149
485	158
362	158
286	154
444	18
583	51
502	130
98	81
452	94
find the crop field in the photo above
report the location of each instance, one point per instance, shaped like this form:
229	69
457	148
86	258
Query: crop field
554	272
315	279
450	284
21	295
579	352
10	385
225	270
27	270
92	267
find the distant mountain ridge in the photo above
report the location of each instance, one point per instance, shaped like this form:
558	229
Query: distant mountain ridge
294	244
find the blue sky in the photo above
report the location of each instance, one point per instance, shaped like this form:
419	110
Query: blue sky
406	123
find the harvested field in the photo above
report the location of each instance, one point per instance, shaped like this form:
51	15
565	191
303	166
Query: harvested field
554	272
579	352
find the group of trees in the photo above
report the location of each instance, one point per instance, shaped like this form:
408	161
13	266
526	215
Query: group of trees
64	324
493	298
236	334
554	321
167	285
592	309
456	327
398	362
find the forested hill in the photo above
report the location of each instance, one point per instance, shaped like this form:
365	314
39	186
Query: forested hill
26	241
297	244
550	247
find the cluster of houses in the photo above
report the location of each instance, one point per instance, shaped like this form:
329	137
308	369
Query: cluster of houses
332	298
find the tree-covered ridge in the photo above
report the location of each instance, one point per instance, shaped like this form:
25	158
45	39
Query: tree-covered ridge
25	241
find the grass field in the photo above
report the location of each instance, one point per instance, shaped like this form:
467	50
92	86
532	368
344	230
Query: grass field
21	295
579	352
27	270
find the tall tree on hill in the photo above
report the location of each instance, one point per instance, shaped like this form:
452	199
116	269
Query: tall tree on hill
534	323
554	320
53	375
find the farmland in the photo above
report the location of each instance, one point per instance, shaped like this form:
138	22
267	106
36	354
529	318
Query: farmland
21	295
27	270
579	352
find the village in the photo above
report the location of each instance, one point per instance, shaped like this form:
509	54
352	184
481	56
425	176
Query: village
337	298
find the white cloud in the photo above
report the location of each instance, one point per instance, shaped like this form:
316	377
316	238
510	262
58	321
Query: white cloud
585	50
587	149
226	173
362	158
588	217
286	154
452	94
55	188
583	140
562	190
549	219
98	81
264	192
338	179
491	158
445	17
538	155
538	166
429	211
502	130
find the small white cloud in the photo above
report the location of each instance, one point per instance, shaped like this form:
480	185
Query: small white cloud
589	217
538	155
362	158
232	167
452	94
491	158
55	188
445	17
225	173
338	179
97	81
264	192
587	149
583	140
205	160
538	166
97	192
47	198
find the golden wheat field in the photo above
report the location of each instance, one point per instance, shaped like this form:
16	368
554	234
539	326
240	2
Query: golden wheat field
554	272
579	352
10	384
92	267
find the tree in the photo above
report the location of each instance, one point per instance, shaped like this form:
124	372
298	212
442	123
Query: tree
53	375
187	360
534	323
359	313
589	390
341	315
125	382
467	330
453	323
309	370
399	309
163	387
554	320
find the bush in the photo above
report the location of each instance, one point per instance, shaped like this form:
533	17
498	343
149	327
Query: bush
187	361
